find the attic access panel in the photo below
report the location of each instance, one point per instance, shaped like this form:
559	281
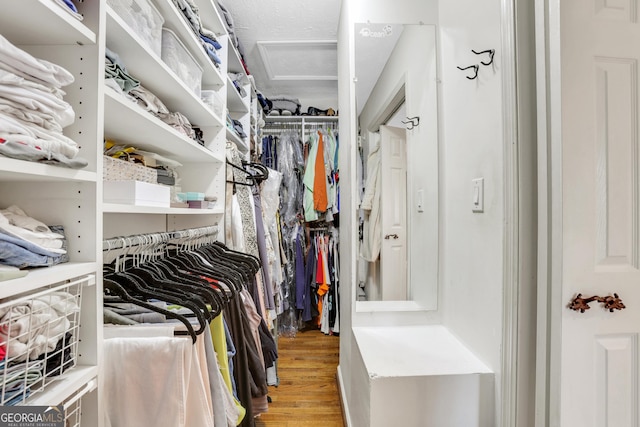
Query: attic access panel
300	59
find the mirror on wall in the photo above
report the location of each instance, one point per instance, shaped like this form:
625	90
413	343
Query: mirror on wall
397	160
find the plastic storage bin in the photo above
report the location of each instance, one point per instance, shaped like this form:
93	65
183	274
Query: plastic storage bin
213	100
178	58
144	19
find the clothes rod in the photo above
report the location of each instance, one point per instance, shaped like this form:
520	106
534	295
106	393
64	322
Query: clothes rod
301	118
159	237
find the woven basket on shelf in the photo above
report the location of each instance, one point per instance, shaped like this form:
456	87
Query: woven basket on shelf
122	170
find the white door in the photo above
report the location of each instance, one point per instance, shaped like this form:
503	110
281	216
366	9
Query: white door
600	249
393	213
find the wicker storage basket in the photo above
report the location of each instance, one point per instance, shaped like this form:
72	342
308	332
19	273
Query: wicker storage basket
121	170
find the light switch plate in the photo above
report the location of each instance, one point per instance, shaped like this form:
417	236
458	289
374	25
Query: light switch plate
477	195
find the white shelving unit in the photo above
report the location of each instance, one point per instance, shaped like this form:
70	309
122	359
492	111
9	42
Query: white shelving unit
73	198
61	196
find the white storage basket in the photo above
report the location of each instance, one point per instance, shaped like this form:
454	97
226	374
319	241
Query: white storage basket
178	58
143	18
39	335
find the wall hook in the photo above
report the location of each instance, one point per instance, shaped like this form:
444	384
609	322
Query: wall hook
413	121
475	69
491	53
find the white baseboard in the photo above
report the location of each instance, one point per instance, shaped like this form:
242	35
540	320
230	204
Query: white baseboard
343	399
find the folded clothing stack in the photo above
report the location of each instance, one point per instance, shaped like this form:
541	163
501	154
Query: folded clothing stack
165	175
33	111
27	242
208	38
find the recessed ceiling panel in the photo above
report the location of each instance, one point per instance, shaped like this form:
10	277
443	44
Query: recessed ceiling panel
300	59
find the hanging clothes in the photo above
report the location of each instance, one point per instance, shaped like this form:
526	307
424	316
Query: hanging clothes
372	234
320	201
309	194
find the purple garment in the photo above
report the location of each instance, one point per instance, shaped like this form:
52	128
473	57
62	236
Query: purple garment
310	278
300	282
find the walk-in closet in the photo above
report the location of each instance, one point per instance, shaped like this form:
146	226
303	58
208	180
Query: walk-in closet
168	226
330	213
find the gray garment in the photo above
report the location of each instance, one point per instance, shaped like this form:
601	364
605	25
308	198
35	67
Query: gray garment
114	318
124	80
264	256
17	150
219	407
147	100
114	58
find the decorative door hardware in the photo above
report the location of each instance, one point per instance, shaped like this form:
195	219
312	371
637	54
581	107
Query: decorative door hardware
610	302
391	236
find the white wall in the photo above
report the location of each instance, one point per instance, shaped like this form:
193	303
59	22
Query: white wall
472	146
348	224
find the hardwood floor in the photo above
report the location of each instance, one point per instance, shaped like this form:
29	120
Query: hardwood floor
308	391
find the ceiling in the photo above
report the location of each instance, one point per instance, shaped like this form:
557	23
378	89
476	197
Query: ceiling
290	47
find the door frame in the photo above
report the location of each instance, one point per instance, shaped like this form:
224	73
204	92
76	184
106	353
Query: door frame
550	212
519	328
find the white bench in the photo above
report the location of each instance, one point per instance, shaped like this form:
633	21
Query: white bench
422	376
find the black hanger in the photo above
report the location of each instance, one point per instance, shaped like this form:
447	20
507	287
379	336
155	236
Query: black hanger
253	177
153	278
193	271
191	259
115	288
169	280
141	290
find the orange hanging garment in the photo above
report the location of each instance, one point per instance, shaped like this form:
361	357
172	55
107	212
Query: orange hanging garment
320	200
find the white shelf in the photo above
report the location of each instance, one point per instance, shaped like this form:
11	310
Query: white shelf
235	64
211	17
51	25
22	170
64	387
155	75
127	209
174	21
128	122
243	145
39	277
235	103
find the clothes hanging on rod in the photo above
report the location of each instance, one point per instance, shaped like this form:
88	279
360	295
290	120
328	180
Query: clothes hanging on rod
317	288
200	287
306	155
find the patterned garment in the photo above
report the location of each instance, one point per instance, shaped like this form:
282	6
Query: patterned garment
246	207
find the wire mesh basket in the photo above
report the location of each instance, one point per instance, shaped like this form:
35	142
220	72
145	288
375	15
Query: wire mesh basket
38	339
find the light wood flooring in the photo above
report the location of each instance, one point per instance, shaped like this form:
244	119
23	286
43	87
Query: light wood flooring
308	391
